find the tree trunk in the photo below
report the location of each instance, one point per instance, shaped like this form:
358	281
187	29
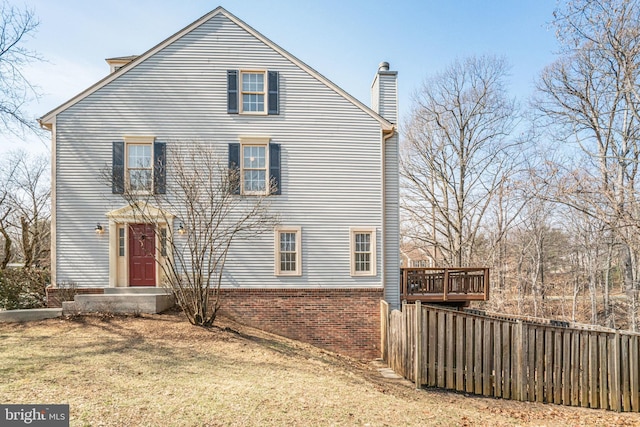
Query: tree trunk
27	242
7	249
607	281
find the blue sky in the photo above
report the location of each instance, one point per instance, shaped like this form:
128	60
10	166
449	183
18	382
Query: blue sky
343	40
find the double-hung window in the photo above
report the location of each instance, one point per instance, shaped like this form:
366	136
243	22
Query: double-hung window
288	251
254	169
253	91
363	251
139	168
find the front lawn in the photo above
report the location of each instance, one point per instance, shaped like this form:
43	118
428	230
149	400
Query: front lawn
161	371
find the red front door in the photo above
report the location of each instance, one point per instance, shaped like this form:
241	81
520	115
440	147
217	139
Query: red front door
142	249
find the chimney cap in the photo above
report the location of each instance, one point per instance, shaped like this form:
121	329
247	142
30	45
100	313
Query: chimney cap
384	66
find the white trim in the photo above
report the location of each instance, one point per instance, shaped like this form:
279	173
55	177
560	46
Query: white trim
49	117
265	93
139	139
288	229
53	234
373	248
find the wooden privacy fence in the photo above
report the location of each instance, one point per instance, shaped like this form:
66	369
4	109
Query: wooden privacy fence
512	359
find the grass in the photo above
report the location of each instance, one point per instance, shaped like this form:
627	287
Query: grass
160	371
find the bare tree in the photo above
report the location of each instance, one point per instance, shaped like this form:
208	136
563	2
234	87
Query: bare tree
7	208
201	217
16	27
25	208
32	201
458	157
590	97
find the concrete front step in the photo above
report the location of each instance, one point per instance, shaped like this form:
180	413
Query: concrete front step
125	303
149	290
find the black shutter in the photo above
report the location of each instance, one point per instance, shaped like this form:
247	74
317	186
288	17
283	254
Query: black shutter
117	168
232	91
159	168
234	168
274	168
273	99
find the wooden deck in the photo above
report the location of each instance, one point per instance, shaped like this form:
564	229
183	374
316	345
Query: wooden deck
450	285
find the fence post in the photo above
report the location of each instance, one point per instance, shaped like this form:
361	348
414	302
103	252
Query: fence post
519	356
384	330
417	359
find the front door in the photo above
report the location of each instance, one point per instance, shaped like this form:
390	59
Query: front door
142	249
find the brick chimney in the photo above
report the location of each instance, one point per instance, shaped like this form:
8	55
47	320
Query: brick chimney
384	93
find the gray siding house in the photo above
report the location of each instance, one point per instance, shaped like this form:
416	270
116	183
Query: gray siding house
220	82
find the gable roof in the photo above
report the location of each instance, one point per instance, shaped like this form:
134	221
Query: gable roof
46	120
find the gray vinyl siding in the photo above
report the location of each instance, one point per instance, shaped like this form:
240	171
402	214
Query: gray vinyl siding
388	96
392	224
331	157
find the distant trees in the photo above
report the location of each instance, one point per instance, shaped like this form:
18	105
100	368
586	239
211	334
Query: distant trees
565	226
458	158
25	210
590	98
24	230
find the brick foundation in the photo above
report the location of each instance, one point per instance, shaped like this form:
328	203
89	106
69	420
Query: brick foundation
346	321
53	294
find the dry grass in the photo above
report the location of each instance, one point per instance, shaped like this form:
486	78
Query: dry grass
160	371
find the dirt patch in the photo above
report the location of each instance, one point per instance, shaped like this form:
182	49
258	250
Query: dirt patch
159	370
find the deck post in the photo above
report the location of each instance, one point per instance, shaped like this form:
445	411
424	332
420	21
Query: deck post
417	359
405	287
445	284
486	284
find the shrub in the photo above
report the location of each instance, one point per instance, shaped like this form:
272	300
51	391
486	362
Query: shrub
66	291
23	288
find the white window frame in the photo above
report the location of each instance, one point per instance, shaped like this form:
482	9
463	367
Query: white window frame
255	142
298	251
264	92
130	141
352	250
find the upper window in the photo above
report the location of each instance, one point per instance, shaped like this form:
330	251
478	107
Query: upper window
139	167
363	251
254	169
253	91
288	251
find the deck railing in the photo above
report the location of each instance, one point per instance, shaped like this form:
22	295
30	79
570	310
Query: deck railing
444	284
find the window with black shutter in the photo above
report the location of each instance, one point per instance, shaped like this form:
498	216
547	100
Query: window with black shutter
117	168
138	166
254	167
253	92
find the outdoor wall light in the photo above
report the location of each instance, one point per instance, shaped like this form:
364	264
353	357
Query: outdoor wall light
181	230
99	229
